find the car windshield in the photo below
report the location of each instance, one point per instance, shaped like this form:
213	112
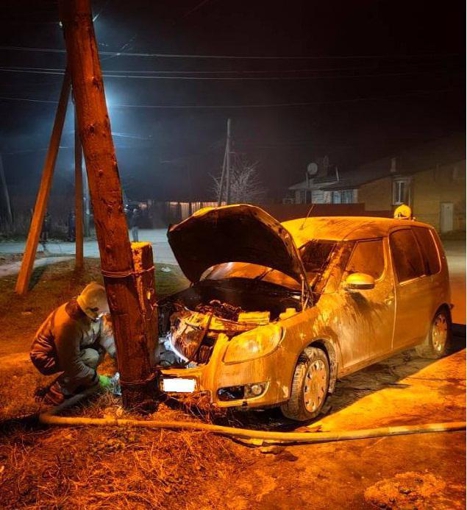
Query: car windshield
315	256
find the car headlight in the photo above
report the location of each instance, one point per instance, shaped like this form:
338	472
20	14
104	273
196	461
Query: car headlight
253	344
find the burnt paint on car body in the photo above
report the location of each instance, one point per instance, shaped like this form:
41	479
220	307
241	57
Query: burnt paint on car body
355	327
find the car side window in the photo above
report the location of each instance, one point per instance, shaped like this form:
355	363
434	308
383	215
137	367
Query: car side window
408	262
429	249
367	257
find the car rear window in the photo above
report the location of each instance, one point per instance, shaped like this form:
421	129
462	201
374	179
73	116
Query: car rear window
408	262
429	249
367	257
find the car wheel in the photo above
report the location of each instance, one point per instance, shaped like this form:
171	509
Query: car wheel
310	386
437	343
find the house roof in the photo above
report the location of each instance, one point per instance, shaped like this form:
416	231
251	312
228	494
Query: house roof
423	157
439	152
315	183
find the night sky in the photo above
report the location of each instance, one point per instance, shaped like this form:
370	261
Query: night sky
354	80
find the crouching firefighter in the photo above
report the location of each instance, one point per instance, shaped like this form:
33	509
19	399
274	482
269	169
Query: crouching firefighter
70	342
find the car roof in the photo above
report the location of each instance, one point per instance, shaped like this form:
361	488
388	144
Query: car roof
339	228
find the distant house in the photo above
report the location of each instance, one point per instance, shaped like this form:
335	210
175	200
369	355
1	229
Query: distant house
322	185
430	178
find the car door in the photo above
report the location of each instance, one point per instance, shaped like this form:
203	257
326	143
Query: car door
366	318
414	295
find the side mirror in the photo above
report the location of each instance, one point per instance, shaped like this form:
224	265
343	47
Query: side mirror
359	281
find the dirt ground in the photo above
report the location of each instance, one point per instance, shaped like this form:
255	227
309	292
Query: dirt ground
138	468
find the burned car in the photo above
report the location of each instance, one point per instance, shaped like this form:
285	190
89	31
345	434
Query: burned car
276	313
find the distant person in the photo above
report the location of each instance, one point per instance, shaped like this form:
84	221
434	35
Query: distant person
45	230
134	224
72	342
71	226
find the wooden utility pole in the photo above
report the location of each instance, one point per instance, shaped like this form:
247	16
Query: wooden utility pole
6	195
221	186
225	176
27	263
135	332
79	223
227	165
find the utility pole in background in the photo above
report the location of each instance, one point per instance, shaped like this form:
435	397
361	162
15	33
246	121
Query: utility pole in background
225	176
227	165
79	223
6	195
128	277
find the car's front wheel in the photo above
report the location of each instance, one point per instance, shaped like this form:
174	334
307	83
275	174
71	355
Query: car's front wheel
310	386
437	343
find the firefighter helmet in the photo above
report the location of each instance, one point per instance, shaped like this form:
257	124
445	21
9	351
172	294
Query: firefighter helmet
403	212
93	300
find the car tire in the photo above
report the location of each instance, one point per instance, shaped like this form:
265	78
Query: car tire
310	386
438	340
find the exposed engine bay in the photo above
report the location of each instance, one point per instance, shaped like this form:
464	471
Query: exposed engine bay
191	321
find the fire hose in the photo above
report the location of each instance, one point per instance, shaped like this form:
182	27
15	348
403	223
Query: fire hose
255	436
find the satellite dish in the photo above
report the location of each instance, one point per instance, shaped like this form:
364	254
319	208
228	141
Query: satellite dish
312	169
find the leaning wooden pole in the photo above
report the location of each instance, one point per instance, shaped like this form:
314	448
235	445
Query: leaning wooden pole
136	337
22	283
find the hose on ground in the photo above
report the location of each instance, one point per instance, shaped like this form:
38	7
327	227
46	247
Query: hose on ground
255	436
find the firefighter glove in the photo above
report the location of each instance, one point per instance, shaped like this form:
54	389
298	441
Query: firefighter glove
105	382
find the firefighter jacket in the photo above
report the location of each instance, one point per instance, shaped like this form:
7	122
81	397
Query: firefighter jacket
59	341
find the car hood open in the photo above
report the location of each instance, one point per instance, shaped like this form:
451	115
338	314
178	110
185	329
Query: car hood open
233	233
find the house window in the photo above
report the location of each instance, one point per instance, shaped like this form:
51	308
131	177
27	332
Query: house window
342	197
401	192
347	196
318	197
305	197
458	173
336	197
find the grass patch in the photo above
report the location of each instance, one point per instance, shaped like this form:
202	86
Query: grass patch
96	467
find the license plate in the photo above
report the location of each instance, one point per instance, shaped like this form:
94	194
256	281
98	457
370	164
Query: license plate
177	385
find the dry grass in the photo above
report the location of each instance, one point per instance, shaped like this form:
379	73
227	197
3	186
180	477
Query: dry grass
96	467
106	467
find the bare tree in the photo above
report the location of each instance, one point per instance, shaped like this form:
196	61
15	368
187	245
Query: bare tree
245	184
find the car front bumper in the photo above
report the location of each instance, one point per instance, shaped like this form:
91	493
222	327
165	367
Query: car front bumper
261	382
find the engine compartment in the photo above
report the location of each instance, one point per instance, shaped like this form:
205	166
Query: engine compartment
191	321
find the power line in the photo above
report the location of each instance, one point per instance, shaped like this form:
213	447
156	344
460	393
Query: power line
233	106
120	74
163	71
237	57
28	100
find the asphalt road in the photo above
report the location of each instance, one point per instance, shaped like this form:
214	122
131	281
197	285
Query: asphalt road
157	237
